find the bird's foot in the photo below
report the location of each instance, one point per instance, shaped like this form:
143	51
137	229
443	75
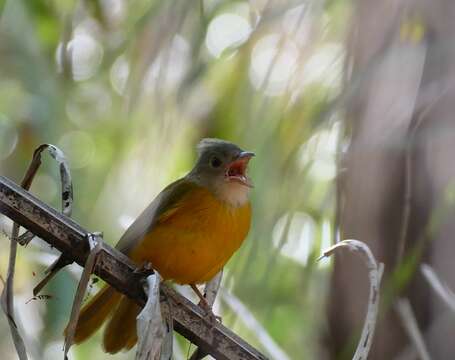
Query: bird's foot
145	270
209	314
212	318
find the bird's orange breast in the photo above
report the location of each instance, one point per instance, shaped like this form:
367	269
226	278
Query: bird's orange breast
193	240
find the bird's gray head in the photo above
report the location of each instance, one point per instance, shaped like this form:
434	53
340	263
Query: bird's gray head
221	167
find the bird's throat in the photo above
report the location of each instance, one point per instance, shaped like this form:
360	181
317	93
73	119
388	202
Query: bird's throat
233	193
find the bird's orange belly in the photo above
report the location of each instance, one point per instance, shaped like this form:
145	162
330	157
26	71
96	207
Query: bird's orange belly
190	247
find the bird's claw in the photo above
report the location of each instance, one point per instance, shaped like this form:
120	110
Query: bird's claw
209	314
145	270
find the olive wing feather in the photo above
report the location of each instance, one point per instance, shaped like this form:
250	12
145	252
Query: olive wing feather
165	202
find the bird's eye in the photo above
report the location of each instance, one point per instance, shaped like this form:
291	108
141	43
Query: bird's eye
215	162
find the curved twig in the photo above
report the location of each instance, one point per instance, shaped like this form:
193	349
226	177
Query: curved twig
7	298
65	179
375	272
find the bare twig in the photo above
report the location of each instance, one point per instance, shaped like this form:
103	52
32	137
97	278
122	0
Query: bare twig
375	271
65	179
425	109
404	311
251	322
441	288
95	248
67	205
212	288
50	272
7	297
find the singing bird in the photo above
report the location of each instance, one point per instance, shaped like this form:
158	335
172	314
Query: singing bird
188	233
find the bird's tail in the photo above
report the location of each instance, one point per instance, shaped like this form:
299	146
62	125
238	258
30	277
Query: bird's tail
95	312
120	332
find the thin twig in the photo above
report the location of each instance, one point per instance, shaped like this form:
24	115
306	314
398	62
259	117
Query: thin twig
440	287
7	296
404	311
67	207
413	128
7	299
375	271
212	287
251	322
65	180
95	248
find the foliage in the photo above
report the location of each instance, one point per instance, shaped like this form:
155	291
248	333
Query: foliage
127	88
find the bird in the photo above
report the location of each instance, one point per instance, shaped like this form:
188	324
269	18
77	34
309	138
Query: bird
187	233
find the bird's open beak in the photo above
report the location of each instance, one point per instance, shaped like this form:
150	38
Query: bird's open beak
236	170
246	154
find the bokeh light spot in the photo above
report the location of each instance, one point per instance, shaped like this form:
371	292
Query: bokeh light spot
325	66
320	153
296	23
8	137
298	241
88	104
119	73
226	31
114	10
86	55
170	67
78	147
273	64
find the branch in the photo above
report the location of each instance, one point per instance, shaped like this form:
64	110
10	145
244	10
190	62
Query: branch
404	310
119	271
439	286
253	324
7	298
375	271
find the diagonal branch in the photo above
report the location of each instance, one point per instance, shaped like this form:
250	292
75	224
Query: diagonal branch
439	286
119	271
404	310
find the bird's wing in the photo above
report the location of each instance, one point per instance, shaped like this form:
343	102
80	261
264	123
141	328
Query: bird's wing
162	206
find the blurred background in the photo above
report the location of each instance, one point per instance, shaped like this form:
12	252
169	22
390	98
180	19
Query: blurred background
348	106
